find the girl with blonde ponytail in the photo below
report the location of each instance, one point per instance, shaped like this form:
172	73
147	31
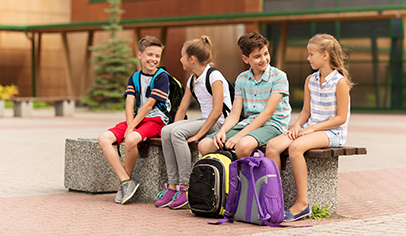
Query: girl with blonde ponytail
196	56
323	119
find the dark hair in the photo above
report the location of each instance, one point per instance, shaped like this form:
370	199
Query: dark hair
251	41
201	49
149	41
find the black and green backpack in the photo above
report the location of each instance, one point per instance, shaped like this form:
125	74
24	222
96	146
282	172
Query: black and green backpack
176	92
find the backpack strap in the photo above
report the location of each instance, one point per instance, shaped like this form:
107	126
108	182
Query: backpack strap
191	87
226	109
261	216
232	189
137	87
161	105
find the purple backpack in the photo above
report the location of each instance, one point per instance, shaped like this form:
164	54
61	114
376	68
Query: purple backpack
259	197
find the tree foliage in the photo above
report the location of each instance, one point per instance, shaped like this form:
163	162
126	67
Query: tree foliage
113	64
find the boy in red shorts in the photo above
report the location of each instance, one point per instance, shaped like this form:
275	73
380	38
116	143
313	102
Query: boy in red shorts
146	122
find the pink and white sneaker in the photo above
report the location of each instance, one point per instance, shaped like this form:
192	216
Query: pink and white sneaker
165	197
180	198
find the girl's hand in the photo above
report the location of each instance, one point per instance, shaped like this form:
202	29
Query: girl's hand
193	139
219	139
305	131
293	132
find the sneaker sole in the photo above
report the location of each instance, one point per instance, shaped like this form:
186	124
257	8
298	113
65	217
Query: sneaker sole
164	205
180	206
131	195
300	217
117	201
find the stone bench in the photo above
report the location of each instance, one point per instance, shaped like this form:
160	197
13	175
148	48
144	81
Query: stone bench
322	175
64	106
86	169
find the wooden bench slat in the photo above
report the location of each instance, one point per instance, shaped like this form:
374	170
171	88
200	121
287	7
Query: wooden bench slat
44	99
313	153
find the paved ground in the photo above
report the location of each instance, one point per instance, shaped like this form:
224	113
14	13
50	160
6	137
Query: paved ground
33	200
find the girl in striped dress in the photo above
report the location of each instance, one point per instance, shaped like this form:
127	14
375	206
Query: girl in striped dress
323	119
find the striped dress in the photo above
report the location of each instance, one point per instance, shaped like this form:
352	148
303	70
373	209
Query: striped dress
323	102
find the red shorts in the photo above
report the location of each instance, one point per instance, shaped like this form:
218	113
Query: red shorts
147	128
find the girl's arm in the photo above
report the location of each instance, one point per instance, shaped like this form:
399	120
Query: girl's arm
184	105
259	121
140	116
217	90
304	115
342	94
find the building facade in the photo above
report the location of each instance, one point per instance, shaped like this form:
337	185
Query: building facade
47	62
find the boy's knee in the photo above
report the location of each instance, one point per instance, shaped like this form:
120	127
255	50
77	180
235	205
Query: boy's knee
244	149
132	140
205	145
104	139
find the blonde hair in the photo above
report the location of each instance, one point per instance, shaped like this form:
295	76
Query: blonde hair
201	49
327	43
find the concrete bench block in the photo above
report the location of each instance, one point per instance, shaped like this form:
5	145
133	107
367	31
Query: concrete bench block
64	108
86	168
322	183
22	108
150	172
2	107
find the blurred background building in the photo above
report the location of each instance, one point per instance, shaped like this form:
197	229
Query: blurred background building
43	43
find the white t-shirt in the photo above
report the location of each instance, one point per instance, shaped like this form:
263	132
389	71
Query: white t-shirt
204	97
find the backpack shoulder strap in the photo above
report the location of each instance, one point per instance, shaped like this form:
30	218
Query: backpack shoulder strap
208	86
226	109
137	87
136	81
191	87
159	71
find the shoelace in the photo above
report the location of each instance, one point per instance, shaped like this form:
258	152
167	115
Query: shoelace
176	196
161	194
120	188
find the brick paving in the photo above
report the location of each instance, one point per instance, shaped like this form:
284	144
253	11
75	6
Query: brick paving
33	201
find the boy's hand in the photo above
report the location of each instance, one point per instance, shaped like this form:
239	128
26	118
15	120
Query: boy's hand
128	131
219	139
231	142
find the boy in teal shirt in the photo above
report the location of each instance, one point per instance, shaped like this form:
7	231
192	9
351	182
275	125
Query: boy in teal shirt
262	94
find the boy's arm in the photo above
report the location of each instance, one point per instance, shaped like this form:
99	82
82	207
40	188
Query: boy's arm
129	108
217	90
184	104
259	121
140	116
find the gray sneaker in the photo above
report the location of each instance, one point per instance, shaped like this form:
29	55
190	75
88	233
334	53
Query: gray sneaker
119	195
129	189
